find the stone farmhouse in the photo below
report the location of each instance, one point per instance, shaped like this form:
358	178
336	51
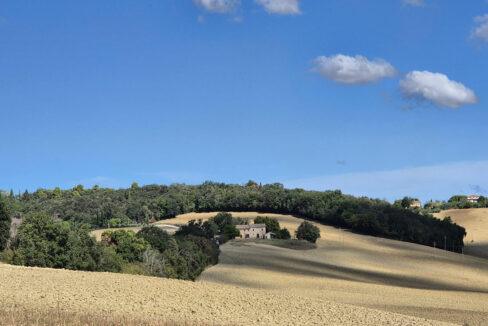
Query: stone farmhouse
252	231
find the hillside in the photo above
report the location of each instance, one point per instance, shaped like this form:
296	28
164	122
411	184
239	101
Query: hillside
475	220
350	279
349	268
355	269
104	207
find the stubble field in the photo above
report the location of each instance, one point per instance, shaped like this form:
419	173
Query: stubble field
349	279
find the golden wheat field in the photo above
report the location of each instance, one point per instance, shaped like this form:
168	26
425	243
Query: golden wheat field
349	279
475	220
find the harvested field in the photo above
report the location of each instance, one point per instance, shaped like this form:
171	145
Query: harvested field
475	220
156	299
349	279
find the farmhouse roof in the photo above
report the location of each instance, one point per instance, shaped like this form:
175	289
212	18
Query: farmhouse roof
474	197
252	226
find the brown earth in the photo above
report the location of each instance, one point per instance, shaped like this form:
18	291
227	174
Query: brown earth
475	220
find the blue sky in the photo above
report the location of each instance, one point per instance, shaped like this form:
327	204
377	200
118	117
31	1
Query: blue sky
377	98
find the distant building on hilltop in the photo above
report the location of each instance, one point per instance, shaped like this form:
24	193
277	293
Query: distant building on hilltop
253	231
473	199
416	203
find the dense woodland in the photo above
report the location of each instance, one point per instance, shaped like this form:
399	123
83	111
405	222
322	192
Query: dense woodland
102	207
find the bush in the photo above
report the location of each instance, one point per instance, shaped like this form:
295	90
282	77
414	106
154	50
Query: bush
308	231
283	234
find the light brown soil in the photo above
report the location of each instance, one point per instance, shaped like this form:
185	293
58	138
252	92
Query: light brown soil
475	220
106	294
349	279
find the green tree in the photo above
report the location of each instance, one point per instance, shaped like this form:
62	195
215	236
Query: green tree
283	234
126	244
272	224
5	221
230	231
308	231
156	237
134	186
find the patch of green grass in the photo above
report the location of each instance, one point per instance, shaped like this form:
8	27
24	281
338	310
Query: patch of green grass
288	244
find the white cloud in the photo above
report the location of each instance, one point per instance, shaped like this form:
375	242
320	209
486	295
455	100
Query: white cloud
282	7
415	3
353	70
218	6
481	31
436	88
428	182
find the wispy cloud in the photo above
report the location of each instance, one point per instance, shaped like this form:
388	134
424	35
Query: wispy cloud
436	88
281	7
428	182
414	3
480	32
218	6
356	70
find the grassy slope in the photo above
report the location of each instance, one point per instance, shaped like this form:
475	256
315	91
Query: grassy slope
475	220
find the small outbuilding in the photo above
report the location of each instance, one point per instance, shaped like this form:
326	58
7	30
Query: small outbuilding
270	235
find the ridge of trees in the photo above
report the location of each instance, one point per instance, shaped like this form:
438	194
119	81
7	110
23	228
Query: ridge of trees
102	207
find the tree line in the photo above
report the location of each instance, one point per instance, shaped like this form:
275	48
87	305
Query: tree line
102	207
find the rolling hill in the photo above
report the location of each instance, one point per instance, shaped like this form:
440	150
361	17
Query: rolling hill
475	220
350	279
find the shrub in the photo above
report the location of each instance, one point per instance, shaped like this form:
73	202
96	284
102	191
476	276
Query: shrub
283	234
308	231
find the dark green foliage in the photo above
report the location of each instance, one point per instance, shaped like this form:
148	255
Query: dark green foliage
156	237
5	220
126	244
230	231
308	231
364	215
45	243
272	224
283	234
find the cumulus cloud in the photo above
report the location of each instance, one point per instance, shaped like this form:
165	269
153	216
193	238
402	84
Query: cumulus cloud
218	6
436	88
282	7
480	32
415	3
353	70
